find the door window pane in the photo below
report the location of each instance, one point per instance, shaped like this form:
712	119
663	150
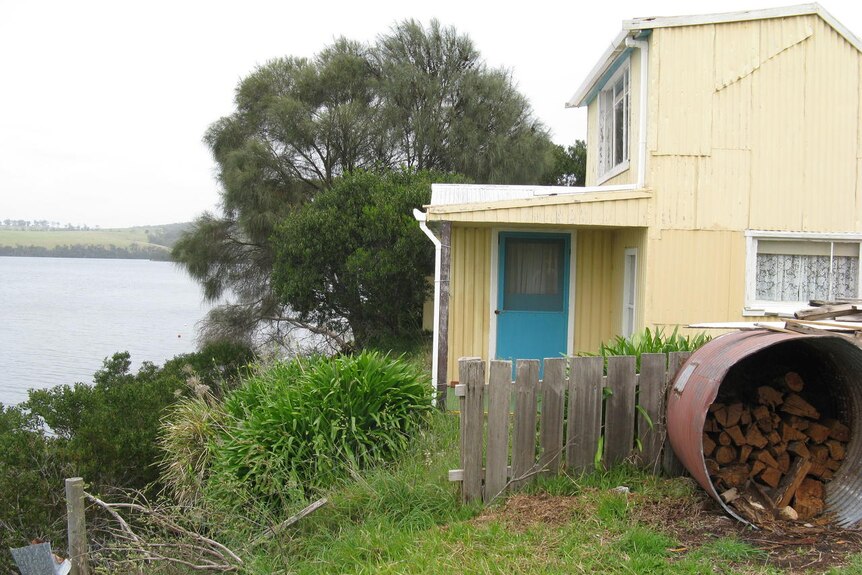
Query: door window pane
533	279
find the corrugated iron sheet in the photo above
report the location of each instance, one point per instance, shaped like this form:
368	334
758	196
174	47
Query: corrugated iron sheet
698	382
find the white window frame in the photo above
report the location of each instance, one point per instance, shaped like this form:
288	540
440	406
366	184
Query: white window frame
606	171
630	286
755	307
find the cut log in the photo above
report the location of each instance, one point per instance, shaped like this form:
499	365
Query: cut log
793	381
774	438
733	475
711	425
798	423
760	412
836	449
833	465
730	495
768	395
819	453
798	448
766	425
790	482
708	445
720	416
724	438
770	476
808	501
725	454
715	406
756	468
745	417
817	433
733	414
736	435
754	437
820	470
790	433
795	405
778	448
837	430
766	458
744	453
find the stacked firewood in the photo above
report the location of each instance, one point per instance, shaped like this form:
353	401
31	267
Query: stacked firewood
772	452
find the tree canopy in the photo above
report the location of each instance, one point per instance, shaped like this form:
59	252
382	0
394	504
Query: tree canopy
419	98
355	257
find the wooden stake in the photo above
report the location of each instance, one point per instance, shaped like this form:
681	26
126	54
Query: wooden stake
77	526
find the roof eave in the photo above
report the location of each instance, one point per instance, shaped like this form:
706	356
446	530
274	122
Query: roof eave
632	27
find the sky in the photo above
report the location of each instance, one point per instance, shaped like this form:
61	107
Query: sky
103	104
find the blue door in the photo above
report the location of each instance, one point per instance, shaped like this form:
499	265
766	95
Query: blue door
533	295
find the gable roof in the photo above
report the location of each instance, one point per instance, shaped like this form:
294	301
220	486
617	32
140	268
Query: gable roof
640	27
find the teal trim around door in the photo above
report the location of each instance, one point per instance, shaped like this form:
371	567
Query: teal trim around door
532	295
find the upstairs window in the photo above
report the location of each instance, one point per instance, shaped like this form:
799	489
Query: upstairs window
614	113
786	271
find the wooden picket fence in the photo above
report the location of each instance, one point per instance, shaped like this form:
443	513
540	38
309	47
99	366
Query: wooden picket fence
582	417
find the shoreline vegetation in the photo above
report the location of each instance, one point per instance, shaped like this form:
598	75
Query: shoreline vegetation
142	242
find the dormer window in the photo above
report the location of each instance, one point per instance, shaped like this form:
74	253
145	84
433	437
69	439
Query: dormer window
614	120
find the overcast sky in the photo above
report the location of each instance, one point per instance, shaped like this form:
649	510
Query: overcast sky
103	104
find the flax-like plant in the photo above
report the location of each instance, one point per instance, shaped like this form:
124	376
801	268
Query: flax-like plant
298	426
649	341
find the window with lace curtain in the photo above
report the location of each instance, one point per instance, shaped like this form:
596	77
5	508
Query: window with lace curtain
787	270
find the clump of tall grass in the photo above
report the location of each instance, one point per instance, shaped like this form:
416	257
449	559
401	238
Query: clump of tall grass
649	341
296	427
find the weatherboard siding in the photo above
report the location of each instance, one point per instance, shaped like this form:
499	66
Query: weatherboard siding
469	295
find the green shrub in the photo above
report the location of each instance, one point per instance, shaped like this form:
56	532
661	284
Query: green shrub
31	485
652	342
107	431
298	426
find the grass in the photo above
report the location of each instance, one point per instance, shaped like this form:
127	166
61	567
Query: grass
405	518
51	239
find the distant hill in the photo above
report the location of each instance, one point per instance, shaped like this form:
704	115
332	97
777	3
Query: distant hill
140	242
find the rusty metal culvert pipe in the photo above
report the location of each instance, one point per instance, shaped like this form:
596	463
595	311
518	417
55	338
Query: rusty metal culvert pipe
832	369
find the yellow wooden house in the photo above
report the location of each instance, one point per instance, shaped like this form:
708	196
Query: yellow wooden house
724	183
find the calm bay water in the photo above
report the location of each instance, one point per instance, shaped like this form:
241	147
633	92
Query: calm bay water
60	317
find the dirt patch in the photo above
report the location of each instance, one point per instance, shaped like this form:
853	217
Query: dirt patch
520	512
692	521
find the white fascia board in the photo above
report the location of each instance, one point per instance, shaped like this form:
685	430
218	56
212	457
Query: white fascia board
605	62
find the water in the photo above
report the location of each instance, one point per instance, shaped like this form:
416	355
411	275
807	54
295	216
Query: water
60	317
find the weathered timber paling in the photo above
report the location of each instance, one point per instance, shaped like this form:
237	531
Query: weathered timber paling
472	373
650	399
499	392
524	438
633	414
619	410
553	396
585	412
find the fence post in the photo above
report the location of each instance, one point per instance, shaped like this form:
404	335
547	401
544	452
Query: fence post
76	526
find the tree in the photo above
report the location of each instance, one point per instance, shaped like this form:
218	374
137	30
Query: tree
417	98
569	167
354	259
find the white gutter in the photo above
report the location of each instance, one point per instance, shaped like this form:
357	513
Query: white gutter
438	246
643	46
